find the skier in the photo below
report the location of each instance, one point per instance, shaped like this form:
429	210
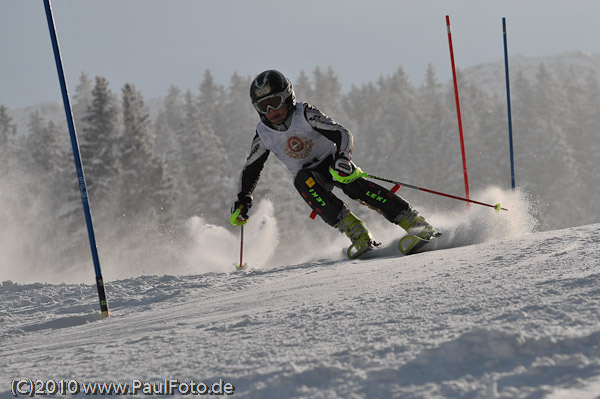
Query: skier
314	148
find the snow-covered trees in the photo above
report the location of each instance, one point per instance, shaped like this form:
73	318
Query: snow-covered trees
8	130
184	159
98	140
46	154
144	187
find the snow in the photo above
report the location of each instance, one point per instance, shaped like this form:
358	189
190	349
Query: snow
497	311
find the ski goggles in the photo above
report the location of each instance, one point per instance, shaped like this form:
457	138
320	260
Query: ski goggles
274	101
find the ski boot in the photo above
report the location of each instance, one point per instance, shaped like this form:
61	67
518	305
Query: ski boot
419	232
416	225
355	229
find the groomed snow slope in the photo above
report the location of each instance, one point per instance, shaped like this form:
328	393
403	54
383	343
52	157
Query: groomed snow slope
511	318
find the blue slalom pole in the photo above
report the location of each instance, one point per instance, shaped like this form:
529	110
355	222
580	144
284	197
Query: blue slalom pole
77	158
510	140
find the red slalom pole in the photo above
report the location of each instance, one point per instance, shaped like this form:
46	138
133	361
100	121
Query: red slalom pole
460	128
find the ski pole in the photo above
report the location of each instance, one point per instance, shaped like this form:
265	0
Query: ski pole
497	206
237	221
241	246
360	173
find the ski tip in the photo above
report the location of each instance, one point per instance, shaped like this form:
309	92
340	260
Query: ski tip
407	243
410	244
354	250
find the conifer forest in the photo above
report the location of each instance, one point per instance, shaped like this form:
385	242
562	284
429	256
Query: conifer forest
150	167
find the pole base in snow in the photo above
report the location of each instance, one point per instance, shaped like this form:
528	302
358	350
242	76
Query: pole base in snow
241	266
102	295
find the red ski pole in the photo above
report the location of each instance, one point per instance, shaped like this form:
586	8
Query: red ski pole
358	173
241	247
497	206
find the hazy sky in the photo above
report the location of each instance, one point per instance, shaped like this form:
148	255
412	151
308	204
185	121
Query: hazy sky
154	43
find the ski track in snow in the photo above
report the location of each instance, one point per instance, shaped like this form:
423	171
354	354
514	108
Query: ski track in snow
504	316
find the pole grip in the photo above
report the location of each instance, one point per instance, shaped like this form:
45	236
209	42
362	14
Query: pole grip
235	220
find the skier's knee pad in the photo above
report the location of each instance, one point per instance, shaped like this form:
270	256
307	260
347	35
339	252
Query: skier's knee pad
318	197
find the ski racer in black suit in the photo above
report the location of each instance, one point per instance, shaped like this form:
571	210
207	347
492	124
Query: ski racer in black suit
311	144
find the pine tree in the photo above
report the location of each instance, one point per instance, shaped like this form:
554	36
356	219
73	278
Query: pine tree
7	128
588	144
485	137
46	154
359	105
8	131
554	166
204	165
169	129
82	99
302	88
211	103
45	163
144	189
35	127
169	123
327	95
241	120
98	141
435	131
524	116
395	123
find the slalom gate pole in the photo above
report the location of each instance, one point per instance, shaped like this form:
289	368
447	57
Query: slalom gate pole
510	138
497	207
77	158
460	128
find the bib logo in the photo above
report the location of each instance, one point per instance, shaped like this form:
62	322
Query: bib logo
298	147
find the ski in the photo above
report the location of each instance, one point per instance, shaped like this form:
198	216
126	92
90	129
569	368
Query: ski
407	245
410	244
356	250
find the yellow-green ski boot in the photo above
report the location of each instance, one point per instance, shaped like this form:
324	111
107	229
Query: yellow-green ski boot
419	232
355	229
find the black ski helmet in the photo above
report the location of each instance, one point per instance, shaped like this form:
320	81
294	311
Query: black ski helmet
271	83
